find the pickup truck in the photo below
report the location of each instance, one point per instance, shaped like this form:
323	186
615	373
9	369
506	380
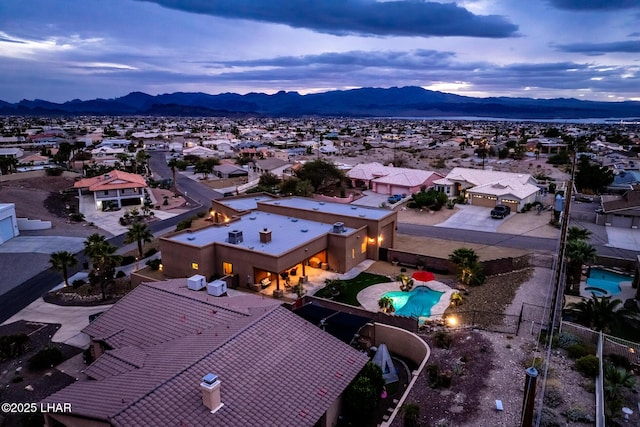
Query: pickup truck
500	211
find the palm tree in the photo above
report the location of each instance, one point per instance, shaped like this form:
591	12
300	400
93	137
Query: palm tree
600	313
386	305
577	233
578	253
173	164
468	265
614	381
92	242
104	261
61	261
140	234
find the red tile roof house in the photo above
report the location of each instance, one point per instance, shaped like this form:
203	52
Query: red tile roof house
114	188
391	180
157	345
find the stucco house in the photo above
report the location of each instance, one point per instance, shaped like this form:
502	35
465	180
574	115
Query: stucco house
171	355
391	180
489	188
620	210
113	189
8	222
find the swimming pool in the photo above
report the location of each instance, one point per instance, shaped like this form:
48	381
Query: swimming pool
604	282
418	302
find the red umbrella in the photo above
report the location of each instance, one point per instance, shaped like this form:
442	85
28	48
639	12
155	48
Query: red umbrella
423	276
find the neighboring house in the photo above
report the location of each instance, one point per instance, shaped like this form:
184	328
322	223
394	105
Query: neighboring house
113	189
11	152
620	211
624	180
156	347
391	180
34	160
227	170
8	222
199	151
489	188
107	151
256	238
272	165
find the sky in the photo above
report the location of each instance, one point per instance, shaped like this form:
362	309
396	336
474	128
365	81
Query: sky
59	50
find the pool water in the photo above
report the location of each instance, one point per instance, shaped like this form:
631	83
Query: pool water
603	280
418	302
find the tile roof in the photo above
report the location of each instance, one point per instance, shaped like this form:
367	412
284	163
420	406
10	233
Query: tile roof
113	180
483	177
275	367
505	187
629	200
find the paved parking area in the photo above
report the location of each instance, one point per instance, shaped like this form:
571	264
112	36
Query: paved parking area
624	238
42	244
475	218
371	199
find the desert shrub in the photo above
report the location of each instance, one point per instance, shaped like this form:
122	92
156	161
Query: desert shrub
553	397
77	217
154	264
589	386
576	351
565	340
443	339
13	346
433	373
77	283
537	362
548	418
619	361
127	260
54	171
445	378
201	214
579	415
45	358
588	365
151	251
120	274
184	224
411	415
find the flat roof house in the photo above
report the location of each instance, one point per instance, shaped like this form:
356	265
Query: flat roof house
167	355
116	188
256	239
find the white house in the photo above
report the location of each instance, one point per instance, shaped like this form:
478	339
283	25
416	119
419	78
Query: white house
8	222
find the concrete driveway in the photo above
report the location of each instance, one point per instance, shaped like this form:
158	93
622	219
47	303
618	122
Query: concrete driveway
475	218
623	238
42	244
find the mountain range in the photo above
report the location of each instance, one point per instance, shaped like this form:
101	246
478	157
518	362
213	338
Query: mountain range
366	102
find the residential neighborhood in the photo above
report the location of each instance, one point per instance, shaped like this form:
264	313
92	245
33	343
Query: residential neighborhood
218	271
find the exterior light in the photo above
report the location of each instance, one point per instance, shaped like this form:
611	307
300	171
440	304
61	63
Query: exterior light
371	240
379	239
452	321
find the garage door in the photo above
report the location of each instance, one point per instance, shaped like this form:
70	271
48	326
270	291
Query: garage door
512	204
6	230
621	221
480	200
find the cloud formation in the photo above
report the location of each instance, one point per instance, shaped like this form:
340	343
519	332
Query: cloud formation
602	48
357	17
587	5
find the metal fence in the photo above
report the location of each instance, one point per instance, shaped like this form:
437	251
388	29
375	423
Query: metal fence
531	316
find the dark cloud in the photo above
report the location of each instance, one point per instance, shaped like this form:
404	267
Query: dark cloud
601	48
6	39
587	5
634	34
357	17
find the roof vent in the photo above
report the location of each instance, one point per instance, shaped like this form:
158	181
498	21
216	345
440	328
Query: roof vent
210	387
294	219
338	227
235	237
107	176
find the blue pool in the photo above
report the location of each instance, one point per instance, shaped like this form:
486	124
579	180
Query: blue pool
417	302
603	282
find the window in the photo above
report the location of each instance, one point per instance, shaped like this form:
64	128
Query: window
353	253
106	192
227	268
194	265
363	247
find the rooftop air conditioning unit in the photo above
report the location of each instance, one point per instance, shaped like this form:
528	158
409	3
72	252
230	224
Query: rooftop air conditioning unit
196	282
338	227
217	288
235	236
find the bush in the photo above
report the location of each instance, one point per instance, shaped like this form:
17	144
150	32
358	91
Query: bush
536	362
46	358
77	283
77	217
184	224
619	361
150	252
548	418
578	414
54	171
120	274
588	366
154	264
411	415
127	260
442	339
565	340
553	397
576	351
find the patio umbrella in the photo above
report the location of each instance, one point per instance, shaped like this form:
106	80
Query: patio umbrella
423	276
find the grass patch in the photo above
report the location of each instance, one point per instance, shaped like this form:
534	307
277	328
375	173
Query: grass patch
349	288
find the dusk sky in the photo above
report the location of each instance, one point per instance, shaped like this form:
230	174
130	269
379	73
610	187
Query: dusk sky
59	50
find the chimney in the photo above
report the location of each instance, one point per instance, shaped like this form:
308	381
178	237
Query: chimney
210	387
265	235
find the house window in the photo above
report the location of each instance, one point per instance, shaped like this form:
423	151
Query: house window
353	253
227	268
106	192
194	265
363	247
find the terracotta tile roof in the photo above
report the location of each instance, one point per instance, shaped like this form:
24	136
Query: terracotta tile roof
275	367
629	200
111	181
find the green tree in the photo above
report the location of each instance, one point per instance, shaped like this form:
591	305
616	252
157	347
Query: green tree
615	380
103	259
577	233
61	261
320	173
578	253
268	182
205	166
592	178
600	313
411	415
173	164
140	234
92	242
468	265
386	305
304	188
8	164
363	394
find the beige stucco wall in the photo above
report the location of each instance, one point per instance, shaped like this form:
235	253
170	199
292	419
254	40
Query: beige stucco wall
177	259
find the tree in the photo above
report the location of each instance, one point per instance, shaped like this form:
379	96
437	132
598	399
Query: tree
140	234
600	313
577	233
61	261
578	253
363	394
205	166
386	305
173	164
468	265
592	178
103	259
7	164
614	381
320	173
92	242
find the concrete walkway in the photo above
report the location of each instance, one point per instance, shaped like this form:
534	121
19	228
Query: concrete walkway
72	319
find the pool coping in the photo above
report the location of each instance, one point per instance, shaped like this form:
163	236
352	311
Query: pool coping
369	296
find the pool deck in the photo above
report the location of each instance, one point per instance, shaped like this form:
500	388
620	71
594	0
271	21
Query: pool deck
370	296
626	291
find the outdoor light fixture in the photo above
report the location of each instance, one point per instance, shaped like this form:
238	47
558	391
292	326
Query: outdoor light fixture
371	240
452	321
379	239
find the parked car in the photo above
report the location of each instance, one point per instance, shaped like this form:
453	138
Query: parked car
500	211
394	199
